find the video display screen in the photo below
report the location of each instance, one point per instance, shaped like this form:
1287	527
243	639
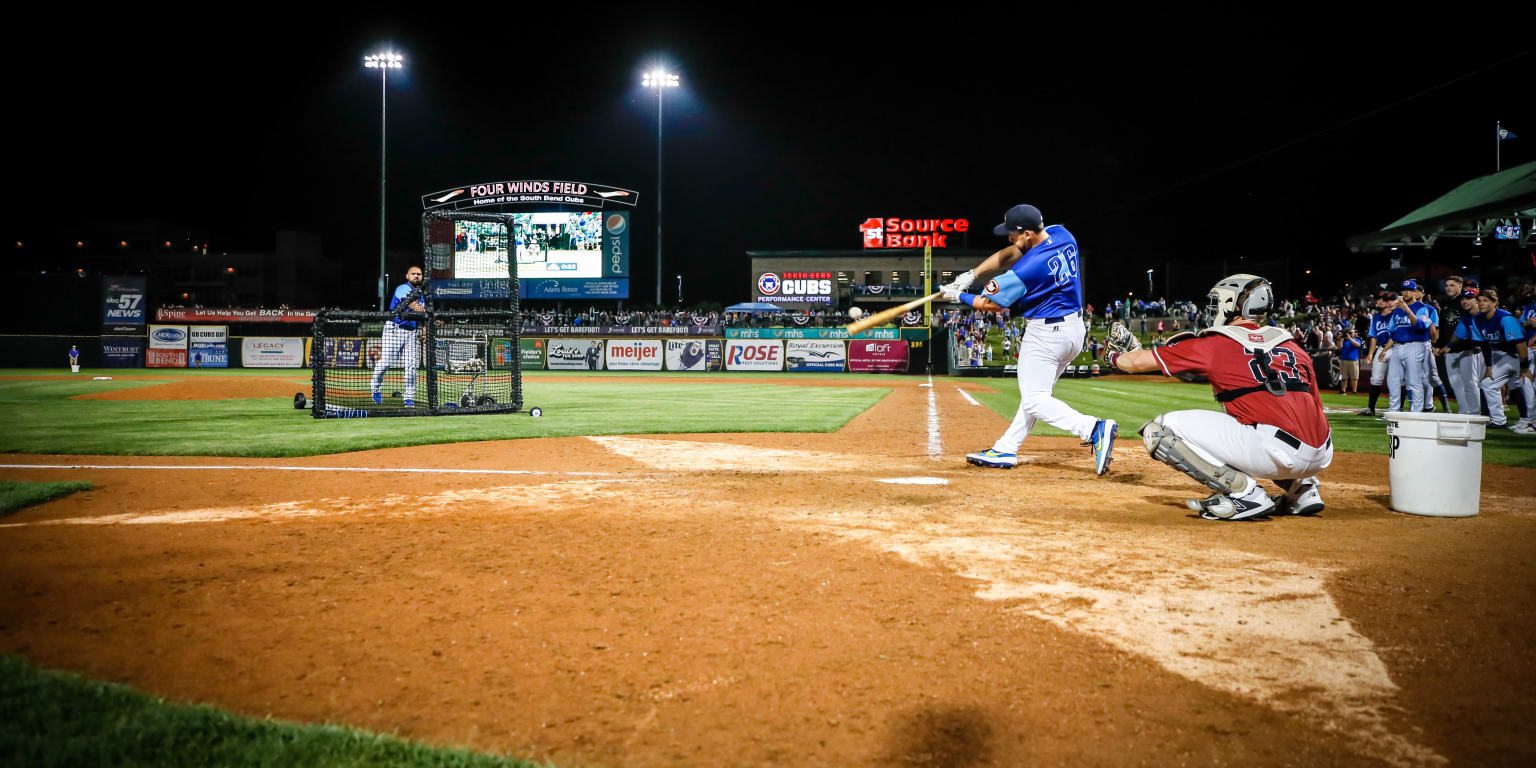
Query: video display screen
479	250
558	244
560	255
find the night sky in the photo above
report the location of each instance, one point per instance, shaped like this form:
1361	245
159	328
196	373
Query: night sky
785	134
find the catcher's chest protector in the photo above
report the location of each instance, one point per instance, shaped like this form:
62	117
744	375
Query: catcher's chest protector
1253	339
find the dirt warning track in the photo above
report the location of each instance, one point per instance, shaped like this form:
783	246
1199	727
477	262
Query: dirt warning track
857	598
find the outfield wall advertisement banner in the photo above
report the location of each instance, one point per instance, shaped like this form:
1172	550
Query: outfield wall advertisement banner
167	347
209	346
634	354
693	355
531	353
622	330
272	352
809	333
122	351
754	355
342	352
122	300
233	315
877	356
815	355
575	354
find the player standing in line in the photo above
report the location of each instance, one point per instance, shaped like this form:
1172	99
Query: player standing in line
1273	426
1464	356
400	345
1450	317
1379	347
1037	278
1409	331
1430	383
1504	353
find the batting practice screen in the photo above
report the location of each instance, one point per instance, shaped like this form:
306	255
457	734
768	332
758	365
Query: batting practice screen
416	364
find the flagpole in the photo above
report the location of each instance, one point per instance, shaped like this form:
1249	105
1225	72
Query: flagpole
1497	159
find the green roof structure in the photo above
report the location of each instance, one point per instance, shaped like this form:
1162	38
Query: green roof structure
1470	210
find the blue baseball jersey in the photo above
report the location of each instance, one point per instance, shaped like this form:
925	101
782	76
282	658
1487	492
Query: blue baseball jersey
1426	314
1528	313
1467	329
1503	330
1051	283
1381	328
400	295
1407	327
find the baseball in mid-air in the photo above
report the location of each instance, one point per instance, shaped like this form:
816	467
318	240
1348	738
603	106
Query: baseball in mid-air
855	312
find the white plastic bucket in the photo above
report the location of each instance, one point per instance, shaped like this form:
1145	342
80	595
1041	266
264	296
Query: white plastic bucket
74	368
1436	464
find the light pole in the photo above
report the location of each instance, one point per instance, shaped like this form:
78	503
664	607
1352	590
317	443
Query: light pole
383	62
679	290
661	81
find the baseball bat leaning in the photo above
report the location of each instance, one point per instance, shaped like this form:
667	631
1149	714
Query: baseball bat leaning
887	315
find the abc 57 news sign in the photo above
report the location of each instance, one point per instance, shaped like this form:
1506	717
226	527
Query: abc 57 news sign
634	355
795	287
754	355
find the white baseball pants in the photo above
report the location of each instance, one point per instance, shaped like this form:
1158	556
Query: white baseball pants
1379	365
1044	352
1221	439
1505	370
399	349
1407	370
1466	372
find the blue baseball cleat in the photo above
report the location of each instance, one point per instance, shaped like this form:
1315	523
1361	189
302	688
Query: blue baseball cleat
991	458
1103	440
410	403
378	399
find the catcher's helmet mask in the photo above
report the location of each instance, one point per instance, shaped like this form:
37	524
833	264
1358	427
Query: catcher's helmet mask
1248	296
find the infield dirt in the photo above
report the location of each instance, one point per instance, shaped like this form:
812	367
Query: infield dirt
753	599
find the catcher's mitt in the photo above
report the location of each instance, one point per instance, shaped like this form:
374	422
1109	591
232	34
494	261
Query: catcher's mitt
1117	342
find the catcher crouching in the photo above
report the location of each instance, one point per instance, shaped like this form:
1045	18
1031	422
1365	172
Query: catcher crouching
1273	427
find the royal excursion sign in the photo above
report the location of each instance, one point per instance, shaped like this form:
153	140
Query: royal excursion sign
895	232
545	192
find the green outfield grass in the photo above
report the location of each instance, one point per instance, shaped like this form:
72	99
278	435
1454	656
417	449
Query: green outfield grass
44	420
51	718
16	495
1132	403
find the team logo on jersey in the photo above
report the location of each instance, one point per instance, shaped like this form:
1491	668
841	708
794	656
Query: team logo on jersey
991	288
768	283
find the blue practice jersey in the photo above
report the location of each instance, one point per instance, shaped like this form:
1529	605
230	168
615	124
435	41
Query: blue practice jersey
400	295
1426	314
1527	313
1407	327
1503	330
1467	328
1048	274
1381	328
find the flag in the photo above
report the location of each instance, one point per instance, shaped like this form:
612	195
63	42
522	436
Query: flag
1505	133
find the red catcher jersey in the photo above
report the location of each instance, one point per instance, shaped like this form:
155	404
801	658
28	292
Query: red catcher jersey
1229	366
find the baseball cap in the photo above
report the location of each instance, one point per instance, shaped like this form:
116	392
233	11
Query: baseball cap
1387	296
1409	285
1018	219
1469	293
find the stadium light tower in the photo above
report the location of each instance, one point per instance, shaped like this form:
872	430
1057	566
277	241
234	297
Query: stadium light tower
661	81
383	62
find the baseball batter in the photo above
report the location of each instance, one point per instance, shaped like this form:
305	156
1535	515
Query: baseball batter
1273	426
1037	277
400	345
1379	347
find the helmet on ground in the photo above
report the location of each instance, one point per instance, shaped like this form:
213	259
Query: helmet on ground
1248	296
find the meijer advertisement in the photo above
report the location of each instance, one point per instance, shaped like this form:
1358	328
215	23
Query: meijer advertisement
634	354
756	355
815	355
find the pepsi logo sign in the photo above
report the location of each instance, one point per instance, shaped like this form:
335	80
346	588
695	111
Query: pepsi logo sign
615	223
768	283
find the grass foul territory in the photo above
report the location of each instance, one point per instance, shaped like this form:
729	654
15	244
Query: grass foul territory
1132	403
15	495
55	719
46	420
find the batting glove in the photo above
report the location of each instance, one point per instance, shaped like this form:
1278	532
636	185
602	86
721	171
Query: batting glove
951	292
963	280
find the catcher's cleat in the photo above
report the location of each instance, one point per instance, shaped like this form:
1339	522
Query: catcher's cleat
1237	506
1103	440
378	399
995	459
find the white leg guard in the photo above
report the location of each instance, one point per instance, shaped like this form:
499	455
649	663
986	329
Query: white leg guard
1166	446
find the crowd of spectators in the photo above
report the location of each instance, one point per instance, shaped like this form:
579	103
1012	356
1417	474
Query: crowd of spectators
604	317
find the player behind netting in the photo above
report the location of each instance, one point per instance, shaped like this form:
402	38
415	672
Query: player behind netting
400	344
1037	278
1273	427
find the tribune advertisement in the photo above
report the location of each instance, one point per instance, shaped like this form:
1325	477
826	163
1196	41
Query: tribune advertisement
575	354
167	347
209	346
634	354
815	355
754	355
272	352
693	355
877	356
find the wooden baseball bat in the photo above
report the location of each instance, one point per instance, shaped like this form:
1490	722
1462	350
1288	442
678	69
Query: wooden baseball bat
886	315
